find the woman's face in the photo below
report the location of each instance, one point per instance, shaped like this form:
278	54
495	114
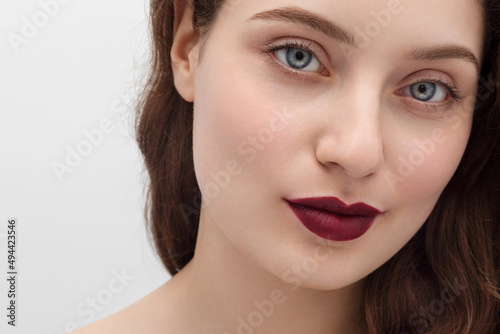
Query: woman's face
365	101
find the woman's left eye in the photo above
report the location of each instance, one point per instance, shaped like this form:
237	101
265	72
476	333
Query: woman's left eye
426	91
299	59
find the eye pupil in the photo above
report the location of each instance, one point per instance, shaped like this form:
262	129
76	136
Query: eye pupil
299	56
422	88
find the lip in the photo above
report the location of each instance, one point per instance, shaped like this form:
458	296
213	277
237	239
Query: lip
332	219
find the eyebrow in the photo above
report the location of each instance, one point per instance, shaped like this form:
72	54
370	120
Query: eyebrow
302	16
318	23
451	51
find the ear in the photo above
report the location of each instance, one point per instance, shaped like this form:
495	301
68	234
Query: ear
184	51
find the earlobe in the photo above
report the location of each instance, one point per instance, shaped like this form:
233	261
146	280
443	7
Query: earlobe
184	51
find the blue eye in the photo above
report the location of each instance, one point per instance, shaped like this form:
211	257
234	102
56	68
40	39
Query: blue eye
298	58
426	91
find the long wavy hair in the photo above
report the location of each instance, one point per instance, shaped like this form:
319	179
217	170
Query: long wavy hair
444	280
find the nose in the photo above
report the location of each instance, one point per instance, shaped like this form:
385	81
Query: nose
352	137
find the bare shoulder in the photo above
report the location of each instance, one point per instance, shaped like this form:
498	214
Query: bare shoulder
148	315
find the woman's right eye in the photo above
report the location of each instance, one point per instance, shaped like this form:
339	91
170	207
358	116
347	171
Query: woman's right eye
298	58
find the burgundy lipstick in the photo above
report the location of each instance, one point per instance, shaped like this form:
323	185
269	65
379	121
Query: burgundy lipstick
332	219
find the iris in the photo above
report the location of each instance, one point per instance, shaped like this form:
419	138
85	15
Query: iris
298	58
423	91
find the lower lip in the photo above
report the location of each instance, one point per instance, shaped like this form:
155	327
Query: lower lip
332	226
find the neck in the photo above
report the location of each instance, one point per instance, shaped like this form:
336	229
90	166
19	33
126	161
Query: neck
227	293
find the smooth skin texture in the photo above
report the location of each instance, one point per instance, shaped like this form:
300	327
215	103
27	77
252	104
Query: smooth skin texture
346	125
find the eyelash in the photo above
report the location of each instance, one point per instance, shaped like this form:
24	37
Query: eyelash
453	92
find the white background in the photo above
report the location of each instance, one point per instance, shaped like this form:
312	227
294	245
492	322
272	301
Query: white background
78	231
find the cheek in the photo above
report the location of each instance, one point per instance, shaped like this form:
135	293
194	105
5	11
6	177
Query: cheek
232	126
423	166
417	172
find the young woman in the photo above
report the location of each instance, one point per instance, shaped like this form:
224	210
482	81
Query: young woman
322	167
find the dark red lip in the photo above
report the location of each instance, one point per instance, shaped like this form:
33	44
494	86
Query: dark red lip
332	219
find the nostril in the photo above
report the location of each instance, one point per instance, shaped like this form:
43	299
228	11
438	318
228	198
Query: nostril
355	162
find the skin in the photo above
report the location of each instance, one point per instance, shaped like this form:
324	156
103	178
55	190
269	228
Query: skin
349	130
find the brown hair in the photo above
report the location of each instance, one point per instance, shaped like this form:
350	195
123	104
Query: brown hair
444	280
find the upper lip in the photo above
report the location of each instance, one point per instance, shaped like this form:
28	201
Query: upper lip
335	205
